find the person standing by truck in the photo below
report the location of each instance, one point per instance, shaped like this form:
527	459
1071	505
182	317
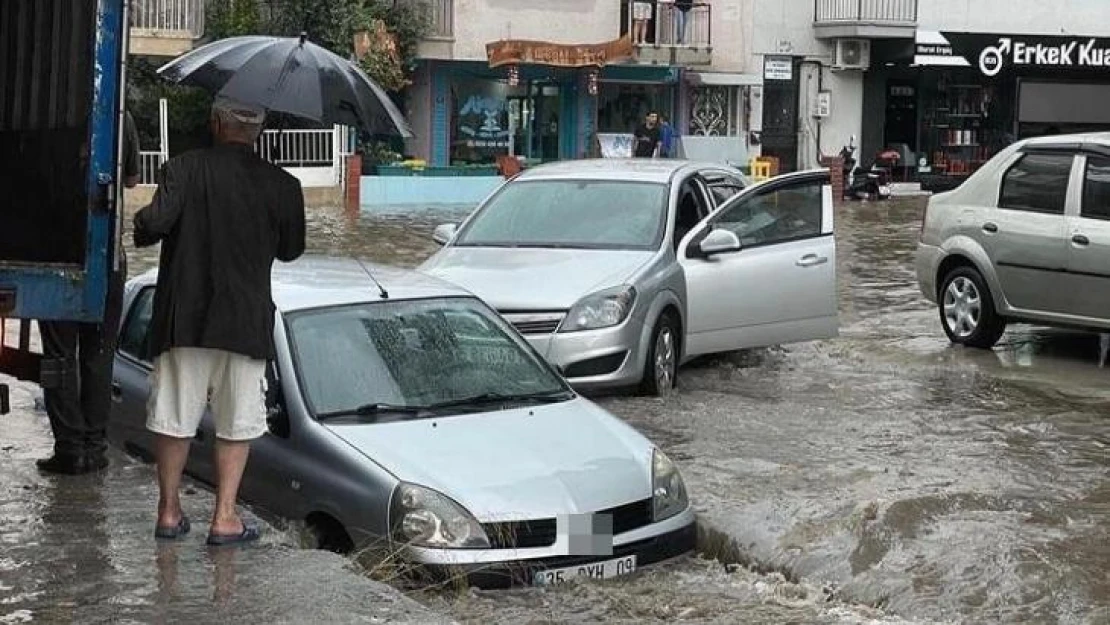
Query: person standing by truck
223	216
79	396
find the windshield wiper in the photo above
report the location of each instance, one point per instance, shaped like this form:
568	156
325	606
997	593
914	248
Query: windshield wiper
499	398
372	410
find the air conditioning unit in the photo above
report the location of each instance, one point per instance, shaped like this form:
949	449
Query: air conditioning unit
852	54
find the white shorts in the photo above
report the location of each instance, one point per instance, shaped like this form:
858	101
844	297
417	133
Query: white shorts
187	380
641	10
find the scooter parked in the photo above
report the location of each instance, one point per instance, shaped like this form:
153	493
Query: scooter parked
873	183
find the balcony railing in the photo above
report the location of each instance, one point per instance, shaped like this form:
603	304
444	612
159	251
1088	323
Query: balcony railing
441	19
668	25
177	18
865	11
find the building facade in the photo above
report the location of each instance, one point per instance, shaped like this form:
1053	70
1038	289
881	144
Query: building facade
945	82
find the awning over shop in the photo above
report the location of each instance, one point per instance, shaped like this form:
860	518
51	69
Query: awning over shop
932	48
526	52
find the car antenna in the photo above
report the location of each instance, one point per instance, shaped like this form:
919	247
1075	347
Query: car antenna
384	294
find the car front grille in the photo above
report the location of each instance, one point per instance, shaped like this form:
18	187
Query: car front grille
543	532
533	323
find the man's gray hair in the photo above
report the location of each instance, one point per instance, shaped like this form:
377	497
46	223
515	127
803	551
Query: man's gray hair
248	115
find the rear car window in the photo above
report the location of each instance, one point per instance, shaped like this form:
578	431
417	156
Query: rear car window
1037	183
1096	188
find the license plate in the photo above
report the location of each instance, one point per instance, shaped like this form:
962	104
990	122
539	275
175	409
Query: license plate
607	569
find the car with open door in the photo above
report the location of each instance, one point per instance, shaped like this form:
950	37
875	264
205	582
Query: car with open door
618	271
407	417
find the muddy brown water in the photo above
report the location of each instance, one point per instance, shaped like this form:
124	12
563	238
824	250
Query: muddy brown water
881	477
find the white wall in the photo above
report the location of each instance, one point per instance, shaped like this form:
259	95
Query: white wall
786	27
478	22
1046	17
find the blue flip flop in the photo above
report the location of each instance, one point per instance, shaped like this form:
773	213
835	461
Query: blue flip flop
249	534
175	532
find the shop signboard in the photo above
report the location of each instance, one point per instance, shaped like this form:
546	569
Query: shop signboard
993	54
521	52
778	68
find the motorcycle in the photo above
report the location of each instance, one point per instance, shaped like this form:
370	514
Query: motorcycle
873	183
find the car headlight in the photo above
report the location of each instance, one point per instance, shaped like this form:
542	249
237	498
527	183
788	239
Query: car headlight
603	309
422	517
668	491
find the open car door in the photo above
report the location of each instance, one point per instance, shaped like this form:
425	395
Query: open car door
761	270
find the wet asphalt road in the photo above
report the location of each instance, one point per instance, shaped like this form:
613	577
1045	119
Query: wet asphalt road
880	476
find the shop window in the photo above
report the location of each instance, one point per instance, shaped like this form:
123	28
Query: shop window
1037	183
716	111
621	107
1096	189
480	124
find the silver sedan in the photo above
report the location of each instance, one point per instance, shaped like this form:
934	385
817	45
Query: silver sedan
406	416
617	271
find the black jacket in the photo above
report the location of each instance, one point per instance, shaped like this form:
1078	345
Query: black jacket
223	216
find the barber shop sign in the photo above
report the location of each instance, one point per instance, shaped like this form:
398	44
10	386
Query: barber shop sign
993	54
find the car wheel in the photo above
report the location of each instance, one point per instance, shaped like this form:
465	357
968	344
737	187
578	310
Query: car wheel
967	310
661	368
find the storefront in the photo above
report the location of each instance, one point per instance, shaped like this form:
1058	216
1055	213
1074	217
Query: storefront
537	101
955	99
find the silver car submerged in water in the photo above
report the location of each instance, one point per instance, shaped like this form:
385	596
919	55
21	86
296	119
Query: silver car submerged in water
618	271
407	416
1024	239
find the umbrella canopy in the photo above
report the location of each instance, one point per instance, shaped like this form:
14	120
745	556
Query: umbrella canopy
290	75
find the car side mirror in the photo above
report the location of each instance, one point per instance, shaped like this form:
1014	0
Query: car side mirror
444	233
719	241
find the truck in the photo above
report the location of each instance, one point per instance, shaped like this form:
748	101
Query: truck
62	80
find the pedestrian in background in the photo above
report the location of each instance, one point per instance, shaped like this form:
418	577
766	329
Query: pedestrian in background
681	13
646	140
77	356
641	15
667	138
223	215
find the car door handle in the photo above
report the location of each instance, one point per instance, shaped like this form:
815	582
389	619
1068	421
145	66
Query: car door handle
811	260
1080	239
117	392
990	227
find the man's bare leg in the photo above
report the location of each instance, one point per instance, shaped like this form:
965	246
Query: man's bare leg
171	454
231	459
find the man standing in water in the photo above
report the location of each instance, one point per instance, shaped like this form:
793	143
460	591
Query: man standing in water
79	400
223	215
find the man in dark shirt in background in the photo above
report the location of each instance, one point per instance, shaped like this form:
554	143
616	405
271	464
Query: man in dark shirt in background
647	139
223	215
79	398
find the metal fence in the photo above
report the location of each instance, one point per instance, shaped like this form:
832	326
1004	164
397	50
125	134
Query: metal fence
671	26
442	18
183	16
865	10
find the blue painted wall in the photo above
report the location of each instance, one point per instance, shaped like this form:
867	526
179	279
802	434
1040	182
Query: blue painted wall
385	193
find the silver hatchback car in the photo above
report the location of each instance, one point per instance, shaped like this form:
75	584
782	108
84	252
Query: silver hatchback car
617	271
1024	239
406	416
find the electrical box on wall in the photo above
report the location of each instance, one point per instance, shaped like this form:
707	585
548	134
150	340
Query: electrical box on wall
822	107
851	54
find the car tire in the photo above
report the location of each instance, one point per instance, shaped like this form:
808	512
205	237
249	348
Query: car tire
967	310
661	365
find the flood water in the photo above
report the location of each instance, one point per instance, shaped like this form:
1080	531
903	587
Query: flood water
880	477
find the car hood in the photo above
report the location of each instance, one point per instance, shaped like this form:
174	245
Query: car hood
519	464
534	279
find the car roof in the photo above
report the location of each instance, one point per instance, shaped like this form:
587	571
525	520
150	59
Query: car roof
1099	138
658	170
318	281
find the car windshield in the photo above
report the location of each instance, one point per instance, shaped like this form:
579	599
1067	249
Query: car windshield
584	214
393	356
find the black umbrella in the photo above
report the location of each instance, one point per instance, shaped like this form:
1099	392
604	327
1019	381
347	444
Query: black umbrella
290	75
